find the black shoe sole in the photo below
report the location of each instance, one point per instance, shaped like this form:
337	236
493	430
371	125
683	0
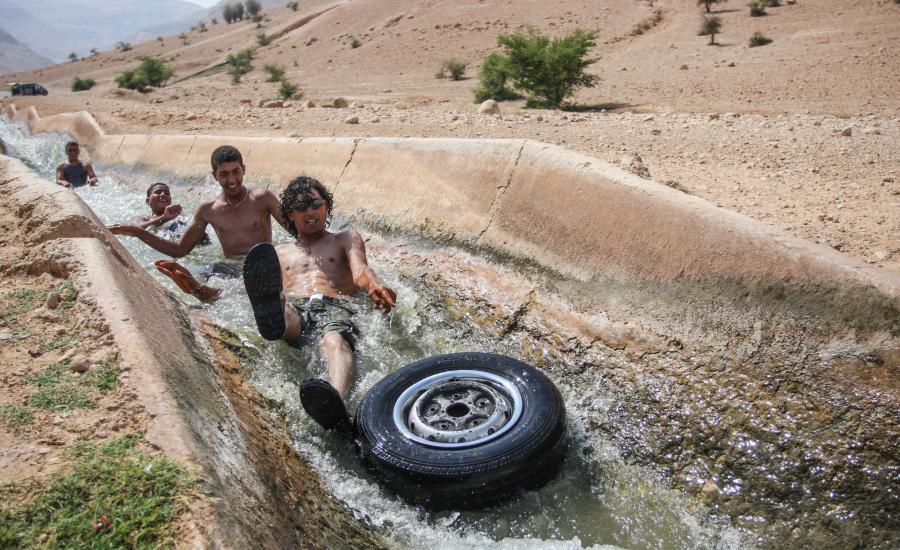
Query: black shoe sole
324	405
262	279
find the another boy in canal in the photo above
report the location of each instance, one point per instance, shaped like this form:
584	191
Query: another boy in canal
75	173
241	218
299	293
165	216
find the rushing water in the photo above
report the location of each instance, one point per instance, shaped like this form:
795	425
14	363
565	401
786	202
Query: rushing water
597	501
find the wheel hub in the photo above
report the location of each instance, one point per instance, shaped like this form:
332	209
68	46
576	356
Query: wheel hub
458	409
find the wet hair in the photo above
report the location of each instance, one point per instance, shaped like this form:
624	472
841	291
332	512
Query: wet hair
157	184
223	154
296	192
71	143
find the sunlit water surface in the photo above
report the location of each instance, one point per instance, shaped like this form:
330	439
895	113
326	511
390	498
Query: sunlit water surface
597	500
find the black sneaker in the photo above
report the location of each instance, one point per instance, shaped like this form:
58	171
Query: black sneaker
262	279
323	404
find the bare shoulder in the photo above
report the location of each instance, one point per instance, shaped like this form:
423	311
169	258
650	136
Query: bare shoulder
350	238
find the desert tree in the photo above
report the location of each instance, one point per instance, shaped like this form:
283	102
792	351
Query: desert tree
293	5
253	7
708	4
710	26
276	72
549	70
494	77
73	56
239	64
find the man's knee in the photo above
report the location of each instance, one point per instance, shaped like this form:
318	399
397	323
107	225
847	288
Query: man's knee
335	341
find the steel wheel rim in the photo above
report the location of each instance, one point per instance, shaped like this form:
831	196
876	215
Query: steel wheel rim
458	409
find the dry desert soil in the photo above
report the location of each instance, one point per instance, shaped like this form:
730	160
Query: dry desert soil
802	133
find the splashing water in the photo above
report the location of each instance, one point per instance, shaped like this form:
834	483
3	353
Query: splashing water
598	500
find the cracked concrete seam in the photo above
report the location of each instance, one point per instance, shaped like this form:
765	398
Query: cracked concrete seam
501	191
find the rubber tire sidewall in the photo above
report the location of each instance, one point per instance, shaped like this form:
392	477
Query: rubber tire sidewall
527	455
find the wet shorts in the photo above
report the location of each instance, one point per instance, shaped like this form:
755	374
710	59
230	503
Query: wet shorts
322	314
226	269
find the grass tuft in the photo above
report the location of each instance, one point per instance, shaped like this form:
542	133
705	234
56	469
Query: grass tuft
15	416
63	397
139	495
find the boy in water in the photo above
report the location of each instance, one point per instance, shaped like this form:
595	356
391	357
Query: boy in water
241	218
299	290
164	214
75	173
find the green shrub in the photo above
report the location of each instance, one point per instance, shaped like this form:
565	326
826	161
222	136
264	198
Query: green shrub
152	71
454	67
276	72
288	90
233	12
549	70
202	27
263	39
494	77
355	42
757	9
239	64
123	46
253	7
73	56
710	26
293	5
759	40
184	39
93	52
81	84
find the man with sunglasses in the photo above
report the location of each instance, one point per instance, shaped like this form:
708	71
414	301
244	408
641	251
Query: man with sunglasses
241	218
300	293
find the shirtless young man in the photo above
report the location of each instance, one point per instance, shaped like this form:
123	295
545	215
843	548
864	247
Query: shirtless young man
241	218
75	173
299	290
164	214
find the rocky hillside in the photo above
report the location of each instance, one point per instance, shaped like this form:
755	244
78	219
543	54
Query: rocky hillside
15	56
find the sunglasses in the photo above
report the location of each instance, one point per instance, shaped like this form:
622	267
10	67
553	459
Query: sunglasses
307	204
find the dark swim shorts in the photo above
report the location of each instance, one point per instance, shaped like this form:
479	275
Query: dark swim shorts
321	314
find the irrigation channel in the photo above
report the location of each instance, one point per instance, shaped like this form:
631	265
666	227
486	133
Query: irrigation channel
621	485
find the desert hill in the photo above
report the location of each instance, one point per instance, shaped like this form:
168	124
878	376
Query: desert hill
801	133
56	28
15	56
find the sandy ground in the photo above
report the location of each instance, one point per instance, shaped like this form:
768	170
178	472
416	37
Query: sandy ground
802	134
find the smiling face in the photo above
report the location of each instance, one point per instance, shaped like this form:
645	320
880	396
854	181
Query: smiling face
159	198
230	176
310	214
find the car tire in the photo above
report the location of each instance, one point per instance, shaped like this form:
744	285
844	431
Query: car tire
462	430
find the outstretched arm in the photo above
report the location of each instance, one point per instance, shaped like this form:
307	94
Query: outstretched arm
61	176
188	241
171	212
364	276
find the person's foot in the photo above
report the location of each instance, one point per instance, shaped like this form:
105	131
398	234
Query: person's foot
186	282
323	404
262	279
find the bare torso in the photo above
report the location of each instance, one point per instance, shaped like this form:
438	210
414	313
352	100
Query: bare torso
239	226
319	267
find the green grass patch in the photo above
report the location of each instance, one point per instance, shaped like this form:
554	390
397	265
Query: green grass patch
64	397
50	375
62	390
140	495
19	301
65	341
104	378
15	416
